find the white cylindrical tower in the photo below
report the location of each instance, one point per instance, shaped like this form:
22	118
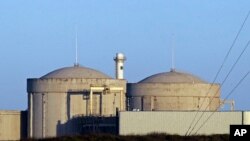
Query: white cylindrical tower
119	65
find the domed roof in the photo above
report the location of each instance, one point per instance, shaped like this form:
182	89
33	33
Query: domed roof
172	77
75	72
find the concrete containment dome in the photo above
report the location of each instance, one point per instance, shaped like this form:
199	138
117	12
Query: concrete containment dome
172	77
175	91
75	72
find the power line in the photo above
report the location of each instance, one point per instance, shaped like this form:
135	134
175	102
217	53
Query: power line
222	83
218	72
241	80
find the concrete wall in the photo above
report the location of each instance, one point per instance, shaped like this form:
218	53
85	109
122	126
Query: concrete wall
176	96
54	102
13	125
68	84
177	122
246	118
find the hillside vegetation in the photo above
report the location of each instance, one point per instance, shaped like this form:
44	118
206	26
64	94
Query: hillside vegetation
150	137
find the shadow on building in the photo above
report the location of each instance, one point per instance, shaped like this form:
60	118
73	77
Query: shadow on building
24	124
81	125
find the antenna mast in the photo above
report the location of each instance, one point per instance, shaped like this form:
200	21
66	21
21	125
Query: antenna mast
76	48
172	54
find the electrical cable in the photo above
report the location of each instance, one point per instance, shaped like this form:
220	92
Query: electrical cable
218	72
222	83
242	79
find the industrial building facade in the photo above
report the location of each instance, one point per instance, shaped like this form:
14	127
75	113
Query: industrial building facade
55	99
13	125
178	122
78	100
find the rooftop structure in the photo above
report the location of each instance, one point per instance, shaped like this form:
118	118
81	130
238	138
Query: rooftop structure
75	72
172	77
174	91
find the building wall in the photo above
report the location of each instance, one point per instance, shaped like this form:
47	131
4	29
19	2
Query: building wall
69	84
246	118
177	122
54	102
12	125
179	96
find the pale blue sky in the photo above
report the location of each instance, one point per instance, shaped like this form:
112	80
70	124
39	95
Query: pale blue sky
37	37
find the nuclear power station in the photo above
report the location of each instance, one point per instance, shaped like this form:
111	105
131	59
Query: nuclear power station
79	100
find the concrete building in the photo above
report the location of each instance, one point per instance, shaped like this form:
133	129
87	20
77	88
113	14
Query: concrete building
178	122
59	96
173	91
13	125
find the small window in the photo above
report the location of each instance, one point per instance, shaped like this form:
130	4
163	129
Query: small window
121	67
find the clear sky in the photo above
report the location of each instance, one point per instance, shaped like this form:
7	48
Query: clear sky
37	37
